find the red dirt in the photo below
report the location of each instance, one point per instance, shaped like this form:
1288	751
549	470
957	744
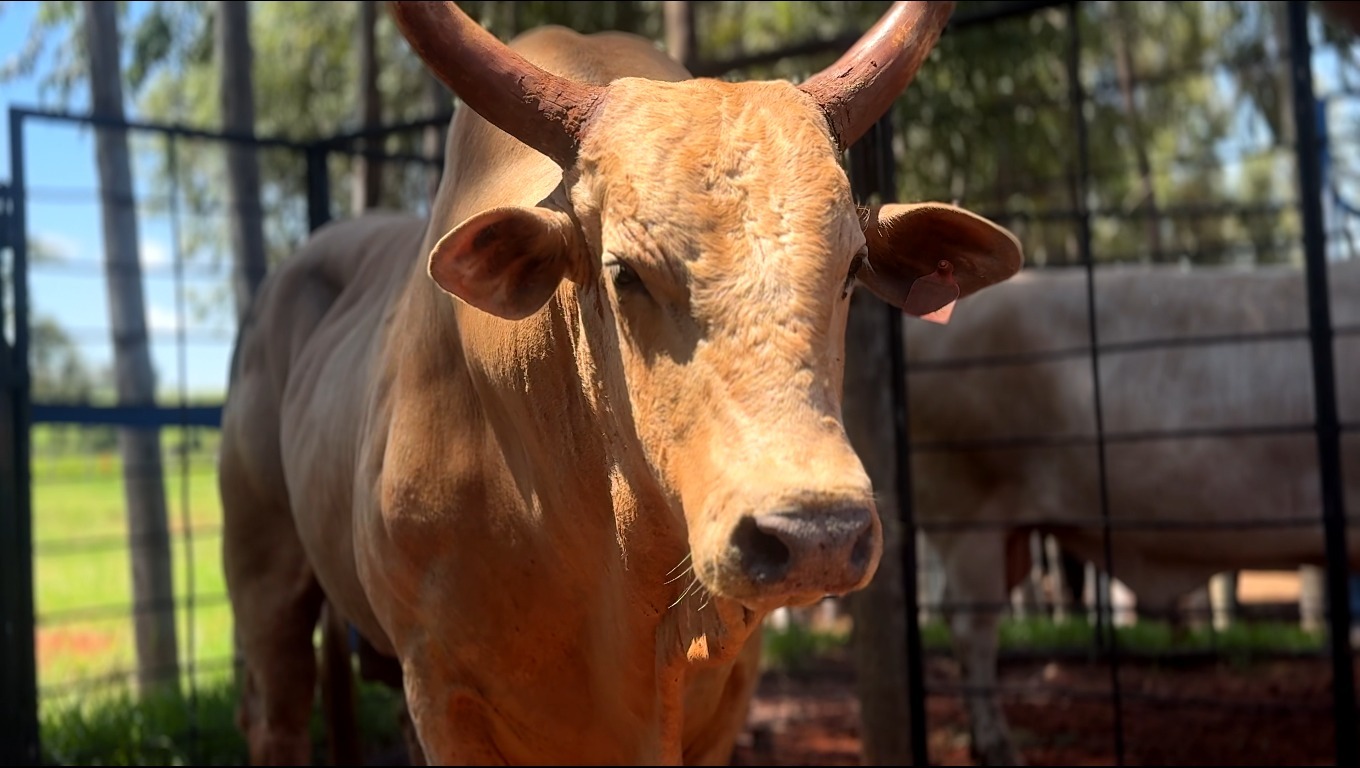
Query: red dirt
63	641
1201	714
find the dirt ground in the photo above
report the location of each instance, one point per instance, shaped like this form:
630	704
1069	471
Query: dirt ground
1269	713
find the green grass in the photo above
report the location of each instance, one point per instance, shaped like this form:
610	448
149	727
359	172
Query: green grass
82	569
795	648
177	729
88	711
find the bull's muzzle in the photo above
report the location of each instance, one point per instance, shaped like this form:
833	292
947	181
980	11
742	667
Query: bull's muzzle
807	553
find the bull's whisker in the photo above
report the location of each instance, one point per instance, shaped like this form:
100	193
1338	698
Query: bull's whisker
679	576
682	594
683	560
708	596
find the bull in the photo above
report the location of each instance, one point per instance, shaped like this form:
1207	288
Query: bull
1207	409
559	447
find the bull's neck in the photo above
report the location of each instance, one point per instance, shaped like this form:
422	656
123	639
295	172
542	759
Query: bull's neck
594	544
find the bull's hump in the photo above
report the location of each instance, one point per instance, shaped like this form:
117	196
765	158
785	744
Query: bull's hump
597	59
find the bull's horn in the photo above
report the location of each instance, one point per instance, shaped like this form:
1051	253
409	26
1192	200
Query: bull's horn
856	90
539	108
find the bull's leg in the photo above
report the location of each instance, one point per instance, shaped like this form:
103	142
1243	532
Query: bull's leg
280	662
451	726
338	691
275	602
975	593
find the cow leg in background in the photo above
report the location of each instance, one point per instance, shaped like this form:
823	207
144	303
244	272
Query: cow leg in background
378	668
1074	578
975	592
338	691
276	603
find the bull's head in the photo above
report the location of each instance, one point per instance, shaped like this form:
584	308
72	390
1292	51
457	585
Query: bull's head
710	226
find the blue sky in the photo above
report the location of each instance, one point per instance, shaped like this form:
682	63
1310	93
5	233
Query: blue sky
63	215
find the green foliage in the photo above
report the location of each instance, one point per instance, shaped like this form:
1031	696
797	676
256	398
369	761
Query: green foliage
58	371
57	19
1189	145
796	648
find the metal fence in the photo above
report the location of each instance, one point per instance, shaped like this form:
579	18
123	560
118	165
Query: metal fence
1071	219
62	516
1077	220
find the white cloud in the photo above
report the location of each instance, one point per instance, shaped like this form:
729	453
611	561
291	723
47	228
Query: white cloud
55	245
161	318
155	253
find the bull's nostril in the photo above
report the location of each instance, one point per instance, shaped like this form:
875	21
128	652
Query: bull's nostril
764	557
863	550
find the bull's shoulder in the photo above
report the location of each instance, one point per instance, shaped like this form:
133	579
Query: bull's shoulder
596	58
371	254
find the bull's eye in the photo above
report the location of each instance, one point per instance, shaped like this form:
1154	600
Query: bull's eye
855	265
625	278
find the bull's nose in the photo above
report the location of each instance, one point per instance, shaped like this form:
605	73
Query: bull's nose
806	551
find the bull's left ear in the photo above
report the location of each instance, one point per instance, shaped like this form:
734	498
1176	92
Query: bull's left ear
507	261
908	242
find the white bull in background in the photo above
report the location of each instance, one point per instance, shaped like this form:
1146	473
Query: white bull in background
1006	444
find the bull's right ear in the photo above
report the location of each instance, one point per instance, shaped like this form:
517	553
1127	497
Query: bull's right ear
506	261
924	256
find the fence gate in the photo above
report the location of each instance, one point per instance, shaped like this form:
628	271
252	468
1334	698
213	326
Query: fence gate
18	672
46	440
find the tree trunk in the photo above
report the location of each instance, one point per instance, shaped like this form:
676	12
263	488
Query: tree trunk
1284	89
367	179
1128	85
234	59
681	40
438	100
628	17
880	630
152	582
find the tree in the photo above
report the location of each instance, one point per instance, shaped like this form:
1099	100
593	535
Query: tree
367	178
243	170
144	489
682	42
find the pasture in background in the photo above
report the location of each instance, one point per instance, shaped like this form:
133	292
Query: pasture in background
81	560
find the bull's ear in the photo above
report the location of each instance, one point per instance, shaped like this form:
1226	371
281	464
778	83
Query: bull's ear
909	242
506	261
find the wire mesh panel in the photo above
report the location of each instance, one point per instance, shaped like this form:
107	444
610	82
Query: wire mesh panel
103	576
1156	144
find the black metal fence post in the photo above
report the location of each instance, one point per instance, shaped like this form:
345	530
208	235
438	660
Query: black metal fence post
1328	428
18	665
1081	179
318	187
